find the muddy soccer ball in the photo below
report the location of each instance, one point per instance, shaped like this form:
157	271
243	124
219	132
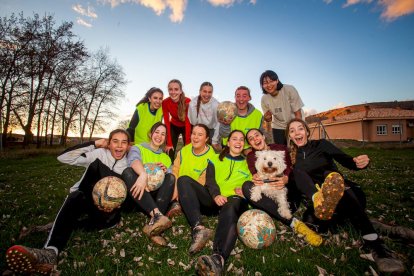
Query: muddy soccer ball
155	176
109	192
226	112
256	229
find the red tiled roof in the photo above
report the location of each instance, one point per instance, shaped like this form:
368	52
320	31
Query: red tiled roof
376	113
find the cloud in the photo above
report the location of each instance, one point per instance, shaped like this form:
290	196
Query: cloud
354	2
227	3
338	105
396	8
391	9
82	22
89	12
177	7
309	111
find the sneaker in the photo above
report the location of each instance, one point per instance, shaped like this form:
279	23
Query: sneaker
158	240
384	259
210	265
200	237
328	196
308	234
28	260
175	210
158	224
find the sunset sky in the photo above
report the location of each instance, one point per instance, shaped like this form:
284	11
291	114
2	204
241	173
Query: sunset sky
336	53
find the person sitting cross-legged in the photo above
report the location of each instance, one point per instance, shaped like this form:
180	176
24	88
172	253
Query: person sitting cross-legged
101	158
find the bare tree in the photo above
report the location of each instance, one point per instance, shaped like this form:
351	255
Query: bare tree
106	80
50	83
13	48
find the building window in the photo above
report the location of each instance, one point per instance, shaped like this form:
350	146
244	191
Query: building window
382	130
396	129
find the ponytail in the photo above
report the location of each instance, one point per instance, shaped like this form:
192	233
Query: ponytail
182	109
224	152
198	104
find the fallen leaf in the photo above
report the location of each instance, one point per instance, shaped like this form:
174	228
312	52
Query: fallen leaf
367	257
321	271
170	262
230	267
137	259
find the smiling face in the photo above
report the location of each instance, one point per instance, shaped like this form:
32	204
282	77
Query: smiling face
242	98
199	138
155	100
158	137
298	133
256	139
270	85
236	143
118	145
174	89
206	93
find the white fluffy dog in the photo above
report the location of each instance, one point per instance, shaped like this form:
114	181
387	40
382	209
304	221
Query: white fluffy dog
271	163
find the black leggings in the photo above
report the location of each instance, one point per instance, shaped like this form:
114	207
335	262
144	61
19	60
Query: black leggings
194	198
351	206
80	203
150	200
269	205
175	133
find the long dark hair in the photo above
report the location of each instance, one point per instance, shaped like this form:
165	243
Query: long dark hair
154	127
226	149
247	133
149	94
182	109
206	83
293	148
271	75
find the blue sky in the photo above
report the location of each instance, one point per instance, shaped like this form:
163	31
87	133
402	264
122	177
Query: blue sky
336	53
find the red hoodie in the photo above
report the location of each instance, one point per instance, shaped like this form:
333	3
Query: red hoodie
170	110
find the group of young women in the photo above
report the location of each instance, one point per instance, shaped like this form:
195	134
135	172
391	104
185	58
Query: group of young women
206	183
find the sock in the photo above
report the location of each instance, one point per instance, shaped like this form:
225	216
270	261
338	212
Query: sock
293	222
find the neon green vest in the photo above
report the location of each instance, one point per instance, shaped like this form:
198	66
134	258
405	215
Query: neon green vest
194	165
148	156
146	121
245	123
239	174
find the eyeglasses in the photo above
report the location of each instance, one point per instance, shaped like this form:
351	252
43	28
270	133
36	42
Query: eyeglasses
265	83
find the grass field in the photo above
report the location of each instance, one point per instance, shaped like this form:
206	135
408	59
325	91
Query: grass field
33	186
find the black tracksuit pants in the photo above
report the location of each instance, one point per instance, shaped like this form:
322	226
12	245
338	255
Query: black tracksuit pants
195	200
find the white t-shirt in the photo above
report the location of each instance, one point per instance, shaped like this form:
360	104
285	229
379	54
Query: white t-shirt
282	106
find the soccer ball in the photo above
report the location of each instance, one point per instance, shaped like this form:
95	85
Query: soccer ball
109	192
226	112
256	229
155	176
